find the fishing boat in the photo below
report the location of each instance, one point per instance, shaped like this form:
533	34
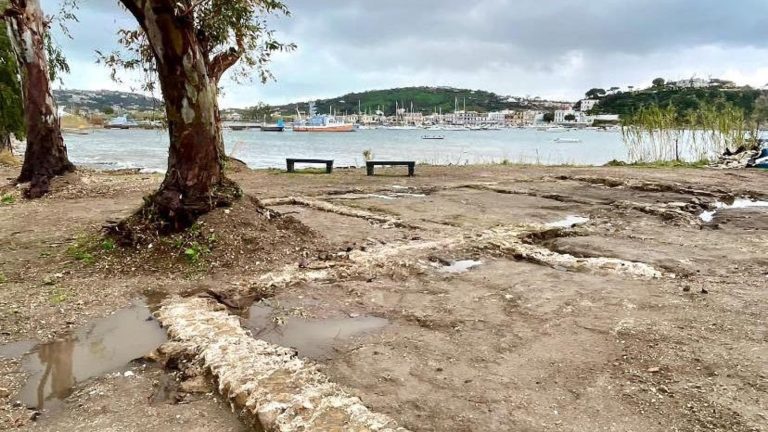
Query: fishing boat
567	140
321	123
433	137
279	127
121	123
557	129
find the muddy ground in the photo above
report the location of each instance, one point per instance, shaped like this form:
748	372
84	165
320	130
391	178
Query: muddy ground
514	343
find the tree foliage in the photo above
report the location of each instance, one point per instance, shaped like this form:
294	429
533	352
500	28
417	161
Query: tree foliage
11	104
685	100
659	82
230	32
595	93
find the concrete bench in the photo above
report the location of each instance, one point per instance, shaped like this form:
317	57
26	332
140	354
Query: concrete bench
410	164
292	164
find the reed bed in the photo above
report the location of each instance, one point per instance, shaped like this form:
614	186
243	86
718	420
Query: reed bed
662	134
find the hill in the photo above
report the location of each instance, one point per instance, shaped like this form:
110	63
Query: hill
101	99
424	99
685	99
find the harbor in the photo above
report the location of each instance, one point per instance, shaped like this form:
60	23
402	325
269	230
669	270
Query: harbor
148	149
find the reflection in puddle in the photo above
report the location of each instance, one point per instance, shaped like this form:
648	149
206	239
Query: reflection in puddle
569	222
395	195
103	346
313	338
461	266
708	216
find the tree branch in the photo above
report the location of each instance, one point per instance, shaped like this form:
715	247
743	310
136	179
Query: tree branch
225	60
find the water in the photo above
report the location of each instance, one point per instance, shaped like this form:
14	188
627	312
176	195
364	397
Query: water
116	149
461	266
104	346
568	222
709	216
312	338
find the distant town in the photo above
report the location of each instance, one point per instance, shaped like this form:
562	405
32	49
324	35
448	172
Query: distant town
381	109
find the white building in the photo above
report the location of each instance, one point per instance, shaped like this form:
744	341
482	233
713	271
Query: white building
560	116
588	104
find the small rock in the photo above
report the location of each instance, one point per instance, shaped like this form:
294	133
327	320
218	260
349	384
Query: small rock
687	289
4	393
128	374
704	291
654	370
354	315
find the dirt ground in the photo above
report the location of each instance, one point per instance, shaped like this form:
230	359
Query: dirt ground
515	343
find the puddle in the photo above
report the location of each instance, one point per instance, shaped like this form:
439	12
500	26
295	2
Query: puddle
708	216
461	266
312	338
568	222
384	197
395	195
104	346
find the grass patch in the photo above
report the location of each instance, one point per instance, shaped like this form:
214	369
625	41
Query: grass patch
3	279
309	171
57	296
8	159
660	164
84	249
8	200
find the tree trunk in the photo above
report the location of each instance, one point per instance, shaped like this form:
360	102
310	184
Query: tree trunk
5	142
195	182
46	155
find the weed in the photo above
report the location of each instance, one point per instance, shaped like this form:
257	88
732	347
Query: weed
8	199
194	252
108	245
58	296
83	248
3	279
368	154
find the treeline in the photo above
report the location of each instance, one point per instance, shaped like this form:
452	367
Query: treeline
685	100
424	99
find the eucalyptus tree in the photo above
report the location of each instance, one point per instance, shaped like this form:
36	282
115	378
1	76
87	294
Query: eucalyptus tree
187	46
11	108
46	154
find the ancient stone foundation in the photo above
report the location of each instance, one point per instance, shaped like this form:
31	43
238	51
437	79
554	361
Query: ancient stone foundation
270	385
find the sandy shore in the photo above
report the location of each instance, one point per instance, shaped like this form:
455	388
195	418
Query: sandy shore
642	316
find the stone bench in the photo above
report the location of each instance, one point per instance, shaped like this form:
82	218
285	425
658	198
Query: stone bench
410	164
292	164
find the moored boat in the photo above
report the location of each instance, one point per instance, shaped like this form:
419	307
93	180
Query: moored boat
321	123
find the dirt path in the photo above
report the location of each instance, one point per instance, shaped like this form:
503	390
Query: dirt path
535	336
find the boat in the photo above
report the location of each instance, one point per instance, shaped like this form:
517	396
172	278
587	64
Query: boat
433	137
122	123
279	127
321	123
567	140
557	129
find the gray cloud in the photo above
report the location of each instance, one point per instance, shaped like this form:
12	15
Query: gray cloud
554	48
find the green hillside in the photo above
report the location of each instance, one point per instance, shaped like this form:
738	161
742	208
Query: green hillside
685	99
424	99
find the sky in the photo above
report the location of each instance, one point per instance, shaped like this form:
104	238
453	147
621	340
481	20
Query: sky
556	49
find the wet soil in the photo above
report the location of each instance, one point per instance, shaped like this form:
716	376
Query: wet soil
505	345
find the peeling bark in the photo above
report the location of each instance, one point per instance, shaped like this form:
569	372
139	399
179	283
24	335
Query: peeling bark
195	182
46	154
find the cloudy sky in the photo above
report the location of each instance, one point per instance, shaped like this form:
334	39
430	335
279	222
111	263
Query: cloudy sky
550	48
